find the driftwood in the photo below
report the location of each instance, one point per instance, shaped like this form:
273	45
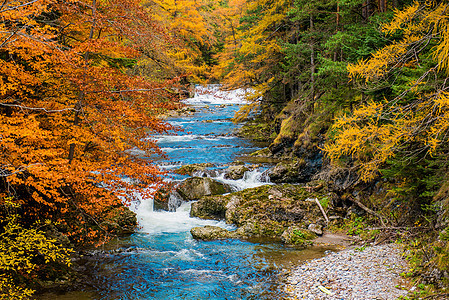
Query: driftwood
368	210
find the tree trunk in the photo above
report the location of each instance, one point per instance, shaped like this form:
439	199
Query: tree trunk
312	64
79	104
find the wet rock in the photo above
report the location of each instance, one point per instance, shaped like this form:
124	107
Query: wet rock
122	221
193	168
167	198
196	187
210	233
209	208
265	211
174	201
247	230
236	172
315	228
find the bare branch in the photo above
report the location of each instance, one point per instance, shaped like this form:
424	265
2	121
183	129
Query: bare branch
5	173
18	6
37	108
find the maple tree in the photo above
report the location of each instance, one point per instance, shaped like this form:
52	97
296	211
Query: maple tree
75	123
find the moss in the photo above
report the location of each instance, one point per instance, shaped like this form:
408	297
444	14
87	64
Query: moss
257	131
302	237
289	129
265	152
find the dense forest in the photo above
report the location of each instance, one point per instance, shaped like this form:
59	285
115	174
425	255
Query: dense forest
353	91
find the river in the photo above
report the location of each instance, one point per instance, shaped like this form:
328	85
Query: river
161	260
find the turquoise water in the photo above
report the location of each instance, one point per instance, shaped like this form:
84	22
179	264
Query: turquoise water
162	261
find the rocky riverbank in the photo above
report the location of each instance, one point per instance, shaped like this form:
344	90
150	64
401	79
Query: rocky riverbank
354	274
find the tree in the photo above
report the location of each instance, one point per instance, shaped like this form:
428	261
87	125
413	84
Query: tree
71	113
411	120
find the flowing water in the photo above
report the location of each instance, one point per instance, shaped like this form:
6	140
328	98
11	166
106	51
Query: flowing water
162	261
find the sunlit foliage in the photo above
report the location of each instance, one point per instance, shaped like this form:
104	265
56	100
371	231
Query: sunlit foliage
414	117
72	116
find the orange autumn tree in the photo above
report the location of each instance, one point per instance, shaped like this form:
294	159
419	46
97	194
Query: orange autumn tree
75	126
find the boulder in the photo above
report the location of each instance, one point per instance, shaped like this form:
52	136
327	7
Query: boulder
265	211
193	169
235	172
298	236
161	198
289	172
121	221
167	198
196	187
212	207
316	228
211	233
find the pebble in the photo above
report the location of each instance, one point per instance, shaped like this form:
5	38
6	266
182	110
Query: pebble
355	274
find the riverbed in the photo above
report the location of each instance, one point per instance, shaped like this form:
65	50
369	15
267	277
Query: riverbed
162	260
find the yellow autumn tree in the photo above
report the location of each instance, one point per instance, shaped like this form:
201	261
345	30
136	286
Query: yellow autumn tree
409	113
190	26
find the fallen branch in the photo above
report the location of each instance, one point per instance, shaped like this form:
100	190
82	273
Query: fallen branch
436	296
370	211
322	210
397	228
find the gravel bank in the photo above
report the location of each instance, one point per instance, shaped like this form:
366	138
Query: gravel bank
372	273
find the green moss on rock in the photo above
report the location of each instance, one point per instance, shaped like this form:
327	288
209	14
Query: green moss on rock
265	211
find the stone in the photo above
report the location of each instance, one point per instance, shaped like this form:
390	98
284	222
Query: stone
193	169
231	212
293	171
196	187
235	172
210	233
315	228
122	222
298	236
212	207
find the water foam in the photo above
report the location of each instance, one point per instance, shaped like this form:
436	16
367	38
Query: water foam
251	179
212	94
155	222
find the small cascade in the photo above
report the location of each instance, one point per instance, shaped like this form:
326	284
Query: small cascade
251	179
164	261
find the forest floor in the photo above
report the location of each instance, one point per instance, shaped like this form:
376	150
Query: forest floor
356	273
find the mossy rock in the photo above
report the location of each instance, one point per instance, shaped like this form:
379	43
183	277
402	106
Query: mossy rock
196	187
265	152
211	233
265	211
256	131
288	172
209	207
298	236
193	168
121	221
236	172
